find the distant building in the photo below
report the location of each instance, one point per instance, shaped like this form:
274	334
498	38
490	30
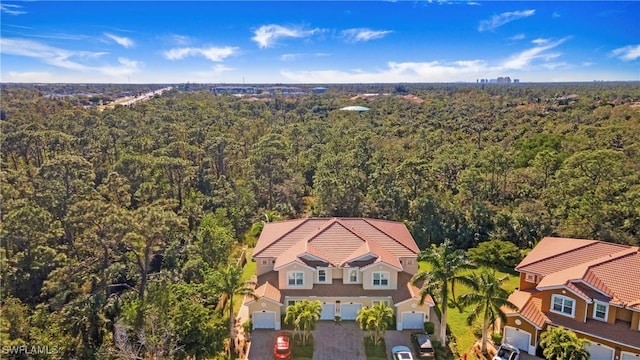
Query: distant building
234	90
319	90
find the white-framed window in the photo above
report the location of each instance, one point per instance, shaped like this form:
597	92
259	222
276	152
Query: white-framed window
264	262
563	305
353	275
600	311
530	278
380	278
292	302
376	302
322	275
295	278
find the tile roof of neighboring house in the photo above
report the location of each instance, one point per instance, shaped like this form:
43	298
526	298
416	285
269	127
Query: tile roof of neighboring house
268	291
529	307
618	332
588	268
335	240
338	289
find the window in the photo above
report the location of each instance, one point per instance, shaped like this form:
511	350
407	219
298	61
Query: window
295	278
292	302
410	262
376	302
353	276
380	278
600	311
265	261
322	275
530	278
563	305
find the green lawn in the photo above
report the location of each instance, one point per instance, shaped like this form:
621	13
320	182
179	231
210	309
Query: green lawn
248	271
373	351
457	320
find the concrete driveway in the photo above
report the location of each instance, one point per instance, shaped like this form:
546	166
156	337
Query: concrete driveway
332	342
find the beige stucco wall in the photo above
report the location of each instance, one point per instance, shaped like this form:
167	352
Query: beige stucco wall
265	305
309	276
635	321
367	277
336	273
345	276
409	264
263	265
329	276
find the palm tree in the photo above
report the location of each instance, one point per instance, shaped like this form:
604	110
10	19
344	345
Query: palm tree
559	343
307	313
488	297
292	314
380	317
446	265
362	319
229	282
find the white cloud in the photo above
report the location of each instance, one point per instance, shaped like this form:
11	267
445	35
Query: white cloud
67	59
433	71
267	35
627	53
122	41
212	53
363	34
524	59
498	20
555	14
11	9
517	37
28	76
295	56
473	3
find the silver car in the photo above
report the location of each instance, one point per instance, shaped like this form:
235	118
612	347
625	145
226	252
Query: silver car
401	353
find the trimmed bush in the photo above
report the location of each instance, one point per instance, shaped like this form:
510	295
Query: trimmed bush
429	327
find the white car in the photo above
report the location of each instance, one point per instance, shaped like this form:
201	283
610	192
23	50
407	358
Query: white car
401	353
507	352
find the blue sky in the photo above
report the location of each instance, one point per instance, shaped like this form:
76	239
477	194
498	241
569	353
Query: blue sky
318	41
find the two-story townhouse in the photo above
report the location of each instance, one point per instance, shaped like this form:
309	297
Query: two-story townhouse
345	263
590	287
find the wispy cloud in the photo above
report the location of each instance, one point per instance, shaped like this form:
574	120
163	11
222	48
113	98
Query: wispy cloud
524	59
212	53
12	9
473	3
29	76
433	71
517	37
67	59
295	56
268	35
122	41
363	34
498	20
627	53
555	14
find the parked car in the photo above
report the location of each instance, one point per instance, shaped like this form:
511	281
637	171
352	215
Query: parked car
401	353
422	343
507	352
282	346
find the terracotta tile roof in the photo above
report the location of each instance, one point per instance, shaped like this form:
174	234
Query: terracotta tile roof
268	291
529	307
336	240
557	254
588	268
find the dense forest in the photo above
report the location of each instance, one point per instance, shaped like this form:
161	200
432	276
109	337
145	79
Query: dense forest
115	224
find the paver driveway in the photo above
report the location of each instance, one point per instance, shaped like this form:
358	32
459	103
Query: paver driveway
333	342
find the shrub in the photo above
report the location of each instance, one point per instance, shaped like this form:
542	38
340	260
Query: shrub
477	331
429	327
247	326
496	337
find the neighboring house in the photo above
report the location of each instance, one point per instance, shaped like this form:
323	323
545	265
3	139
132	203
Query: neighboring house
345	263
590	287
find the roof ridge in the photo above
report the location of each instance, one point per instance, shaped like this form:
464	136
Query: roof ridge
592	243
304	220
384	232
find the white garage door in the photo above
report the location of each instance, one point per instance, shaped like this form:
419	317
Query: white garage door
412	320
264	320
328	312
518	338
629	356
349	311
599	352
